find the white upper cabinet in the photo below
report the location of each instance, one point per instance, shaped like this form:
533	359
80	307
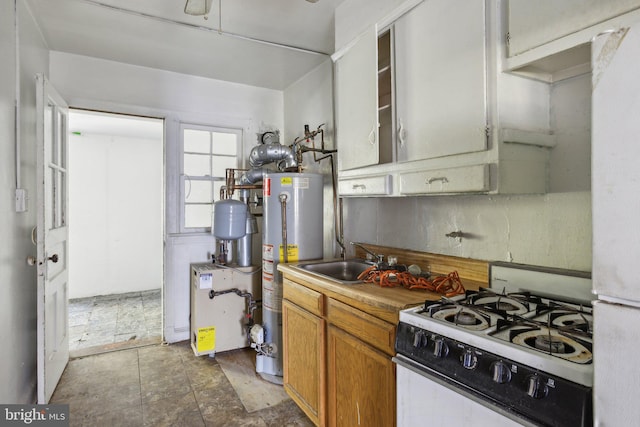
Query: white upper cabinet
440	75
424	106
535	23
357	103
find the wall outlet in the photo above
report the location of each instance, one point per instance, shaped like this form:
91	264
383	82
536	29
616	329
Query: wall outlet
21	200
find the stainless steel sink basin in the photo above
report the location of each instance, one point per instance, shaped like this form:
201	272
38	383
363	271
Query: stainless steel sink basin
345	272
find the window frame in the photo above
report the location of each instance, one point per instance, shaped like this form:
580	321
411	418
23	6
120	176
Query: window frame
183	178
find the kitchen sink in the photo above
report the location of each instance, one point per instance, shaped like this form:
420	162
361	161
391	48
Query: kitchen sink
345	272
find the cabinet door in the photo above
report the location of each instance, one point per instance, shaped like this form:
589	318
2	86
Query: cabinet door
357	104
304	360
362	387
440	80
534	23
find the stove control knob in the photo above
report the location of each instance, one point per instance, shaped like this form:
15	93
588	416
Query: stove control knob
500	372
469	359
536	387
440	348
419	339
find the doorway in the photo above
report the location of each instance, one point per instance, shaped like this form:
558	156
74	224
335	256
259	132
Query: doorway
116	231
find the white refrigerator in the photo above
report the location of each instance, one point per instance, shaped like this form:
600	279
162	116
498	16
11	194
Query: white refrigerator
616	226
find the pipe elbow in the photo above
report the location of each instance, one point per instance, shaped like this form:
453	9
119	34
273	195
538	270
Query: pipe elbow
269	153
252	176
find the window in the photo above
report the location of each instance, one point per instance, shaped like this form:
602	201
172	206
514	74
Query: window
206	154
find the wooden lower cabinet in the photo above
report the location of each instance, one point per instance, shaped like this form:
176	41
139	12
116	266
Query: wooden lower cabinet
304	360
361	382
337	360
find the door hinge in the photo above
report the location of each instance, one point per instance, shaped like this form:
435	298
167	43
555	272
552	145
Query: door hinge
487	134
507	38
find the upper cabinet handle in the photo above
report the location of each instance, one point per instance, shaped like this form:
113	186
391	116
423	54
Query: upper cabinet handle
401	134
372	136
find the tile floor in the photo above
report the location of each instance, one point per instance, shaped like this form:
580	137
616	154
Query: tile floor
160	385
108	320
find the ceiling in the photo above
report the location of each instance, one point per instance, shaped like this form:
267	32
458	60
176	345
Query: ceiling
265	43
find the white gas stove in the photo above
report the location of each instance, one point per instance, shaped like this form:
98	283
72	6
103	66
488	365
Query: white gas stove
522	347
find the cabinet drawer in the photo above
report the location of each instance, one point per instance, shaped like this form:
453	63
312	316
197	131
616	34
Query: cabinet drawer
369	186
304	297
371	330
468	179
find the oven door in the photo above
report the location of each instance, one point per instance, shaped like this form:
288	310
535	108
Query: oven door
424	399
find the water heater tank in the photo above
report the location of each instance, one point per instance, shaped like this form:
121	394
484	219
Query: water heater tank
299	197
229	219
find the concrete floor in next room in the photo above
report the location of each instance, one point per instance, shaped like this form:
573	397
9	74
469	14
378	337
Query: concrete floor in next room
108	322
167	385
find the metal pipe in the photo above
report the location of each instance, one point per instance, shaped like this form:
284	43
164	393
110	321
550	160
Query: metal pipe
251	303
337	210
268	153
377	257
337	219
244	245
283	205
252	175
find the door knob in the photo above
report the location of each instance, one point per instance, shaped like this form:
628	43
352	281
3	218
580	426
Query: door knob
53	258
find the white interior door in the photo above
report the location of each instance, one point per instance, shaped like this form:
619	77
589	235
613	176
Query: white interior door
53	327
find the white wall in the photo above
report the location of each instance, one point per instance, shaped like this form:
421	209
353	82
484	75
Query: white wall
115	214
551	230
18	280
310	101
570	160
111	86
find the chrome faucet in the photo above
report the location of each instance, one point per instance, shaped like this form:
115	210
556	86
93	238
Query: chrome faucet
378	257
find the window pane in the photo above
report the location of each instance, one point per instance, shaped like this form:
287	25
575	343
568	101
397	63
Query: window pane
220	164
63	199
197	165
61	135
58	199
51	200
197	141
197	191
225	143
197	216
49	134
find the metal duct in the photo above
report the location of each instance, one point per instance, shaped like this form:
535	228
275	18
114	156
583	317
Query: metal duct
269	153
253	175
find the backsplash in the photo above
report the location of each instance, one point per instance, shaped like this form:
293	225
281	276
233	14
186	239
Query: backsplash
552	230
